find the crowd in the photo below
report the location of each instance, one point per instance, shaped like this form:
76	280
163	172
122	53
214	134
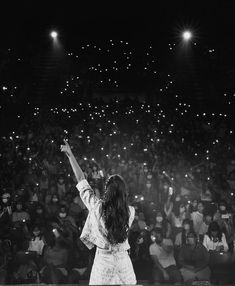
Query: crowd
178	162
180	183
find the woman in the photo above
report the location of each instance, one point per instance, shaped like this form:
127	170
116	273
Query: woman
180	238
37	241
194	260
53	207
178	216
215	240
163	224
106	227
197	217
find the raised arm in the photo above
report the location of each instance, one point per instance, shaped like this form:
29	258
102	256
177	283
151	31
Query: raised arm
86	193
73	162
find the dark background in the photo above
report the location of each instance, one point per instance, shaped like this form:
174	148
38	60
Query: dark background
27	20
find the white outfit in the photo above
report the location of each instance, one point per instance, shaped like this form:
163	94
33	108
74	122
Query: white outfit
211	245
197	219
36	245
165	258
112	264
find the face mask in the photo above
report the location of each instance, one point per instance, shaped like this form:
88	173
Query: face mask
149	176
148	186
36	233
191	240
159	218
55	200
186	227
62	215
177	199
145	170
4	201
140	241
222	208
153	238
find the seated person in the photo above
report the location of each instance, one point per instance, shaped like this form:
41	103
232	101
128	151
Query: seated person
207	219
197	217
55	259
53	207
194	260
180	238
67	222
19	215
162	254
215	240
37	241
163	223
139	253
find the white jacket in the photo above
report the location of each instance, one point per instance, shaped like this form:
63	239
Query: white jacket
94	231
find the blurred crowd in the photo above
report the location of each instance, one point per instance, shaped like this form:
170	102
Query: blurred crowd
180	176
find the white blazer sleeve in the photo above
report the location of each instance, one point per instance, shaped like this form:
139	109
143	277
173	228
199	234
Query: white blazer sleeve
87	194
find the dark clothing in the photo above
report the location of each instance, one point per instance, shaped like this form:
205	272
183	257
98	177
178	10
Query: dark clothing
196	257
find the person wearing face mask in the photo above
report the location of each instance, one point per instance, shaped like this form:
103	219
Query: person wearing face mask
53	207
180	238
50	192
61	187
197	217
67	222
178	215
37	242
19	215
38	216
194	260
163	224
194	205
207	219
162	254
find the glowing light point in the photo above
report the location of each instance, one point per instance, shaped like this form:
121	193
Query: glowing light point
187	35
54	34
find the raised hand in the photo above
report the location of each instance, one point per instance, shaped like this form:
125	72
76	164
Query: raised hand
66	148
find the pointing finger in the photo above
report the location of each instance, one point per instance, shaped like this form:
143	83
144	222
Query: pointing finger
66	142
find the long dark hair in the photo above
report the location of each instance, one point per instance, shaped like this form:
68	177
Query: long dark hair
115	209
186	221
214	226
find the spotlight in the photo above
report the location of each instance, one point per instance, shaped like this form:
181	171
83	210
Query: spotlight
187	35
54	34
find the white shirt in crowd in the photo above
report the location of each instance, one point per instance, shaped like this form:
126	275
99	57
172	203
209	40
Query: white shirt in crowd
165	258
211	245
36	245
197	219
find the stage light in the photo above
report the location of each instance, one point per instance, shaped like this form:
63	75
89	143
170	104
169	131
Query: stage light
187	35
54	34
